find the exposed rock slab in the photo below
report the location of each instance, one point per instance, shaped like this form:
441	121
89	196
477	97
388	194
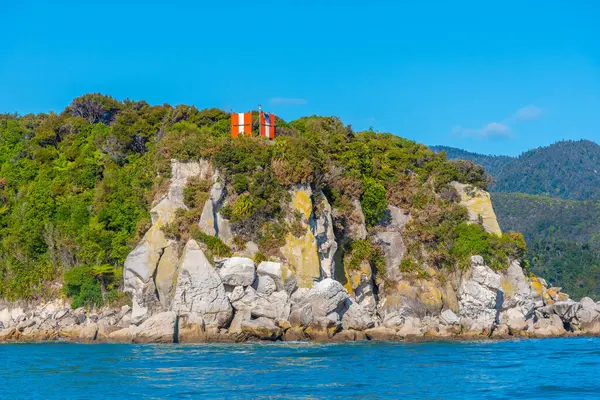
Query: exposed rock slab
199	288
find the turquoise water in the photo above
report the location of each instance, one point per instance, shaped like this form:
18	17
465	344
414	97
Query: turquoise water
532	369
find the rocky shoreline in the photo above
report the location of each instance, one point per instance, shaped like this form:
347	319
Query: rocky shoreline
324	313
309	290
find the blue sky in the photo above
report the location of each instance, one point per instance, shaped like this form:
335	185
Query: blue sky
498	79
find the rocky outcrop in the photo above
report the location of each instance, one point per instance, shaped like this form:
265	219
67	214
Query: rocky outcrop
479	205
389	238
478	296
323	231
200	290
212	221
150	269
179	295
238	271
301	252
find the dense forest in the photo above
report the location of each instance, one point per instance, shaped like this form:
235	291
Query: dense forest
76	188
551	195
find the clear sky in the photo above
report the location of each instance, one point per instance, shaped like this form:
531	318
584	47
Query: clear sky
494	78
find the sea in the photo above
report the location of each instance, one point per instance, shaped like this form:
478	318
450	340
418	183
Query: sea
565	368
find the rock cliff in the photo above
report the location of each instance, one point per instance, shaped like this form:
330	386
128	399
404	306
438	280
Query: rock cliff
309	290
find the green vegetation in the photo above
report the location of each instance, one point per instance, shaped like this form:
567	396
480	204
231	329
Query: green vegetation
566	169
91	286
562	231
76	188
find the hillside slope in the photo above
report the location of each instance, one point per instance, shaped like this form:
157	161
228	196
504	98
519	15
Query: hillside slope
562	232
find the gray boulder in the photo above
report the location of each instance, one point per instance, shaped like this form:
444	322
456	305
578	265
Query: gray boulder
477	295
448	317
238	271
265	285
357	317
326	297
261	328
273	270
200	290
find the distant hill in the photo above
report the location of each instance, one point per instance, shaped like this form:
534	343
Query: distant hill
566	169
550	194
562	237
492	164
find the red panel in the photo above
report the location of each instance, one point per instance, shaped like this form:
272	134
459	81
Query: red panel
248	124
234	125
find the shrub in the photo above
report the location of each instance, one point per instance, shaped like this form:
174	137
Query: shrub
83	288
216	246
373	201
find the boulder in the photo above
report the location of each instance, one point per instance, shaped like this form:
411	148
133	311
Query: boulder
274	306
411	328
546	327
89	332
191	328
159	328
238	271
477	295
166	275
265	285
261	328
323	329
356	317
326	297
381	333
200	290
239	317
301	316
516	290
448	317
360	284
272	270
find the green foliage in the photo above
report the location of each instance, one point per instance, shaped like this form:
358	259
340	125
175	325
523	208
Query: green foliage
360	251
373	201
83	288
562	229
259	257
196	192
213	243
76	187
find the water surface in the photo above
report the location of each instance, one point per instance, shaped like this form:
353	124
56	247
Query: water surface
532	369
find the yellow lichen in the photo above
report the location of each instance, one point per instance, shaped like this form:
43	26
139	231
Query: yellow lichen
302	202
301	253
507	287
479	205
536	286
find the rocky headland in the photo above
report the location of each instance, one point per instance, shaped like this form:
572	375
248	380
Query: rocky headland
183	293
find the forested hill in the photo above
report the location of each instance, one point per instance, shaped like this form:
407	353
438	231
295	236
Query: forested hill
76	189
492	164
566	169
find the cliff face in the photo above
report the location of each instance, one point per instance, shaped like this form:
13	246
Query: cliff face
313	287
